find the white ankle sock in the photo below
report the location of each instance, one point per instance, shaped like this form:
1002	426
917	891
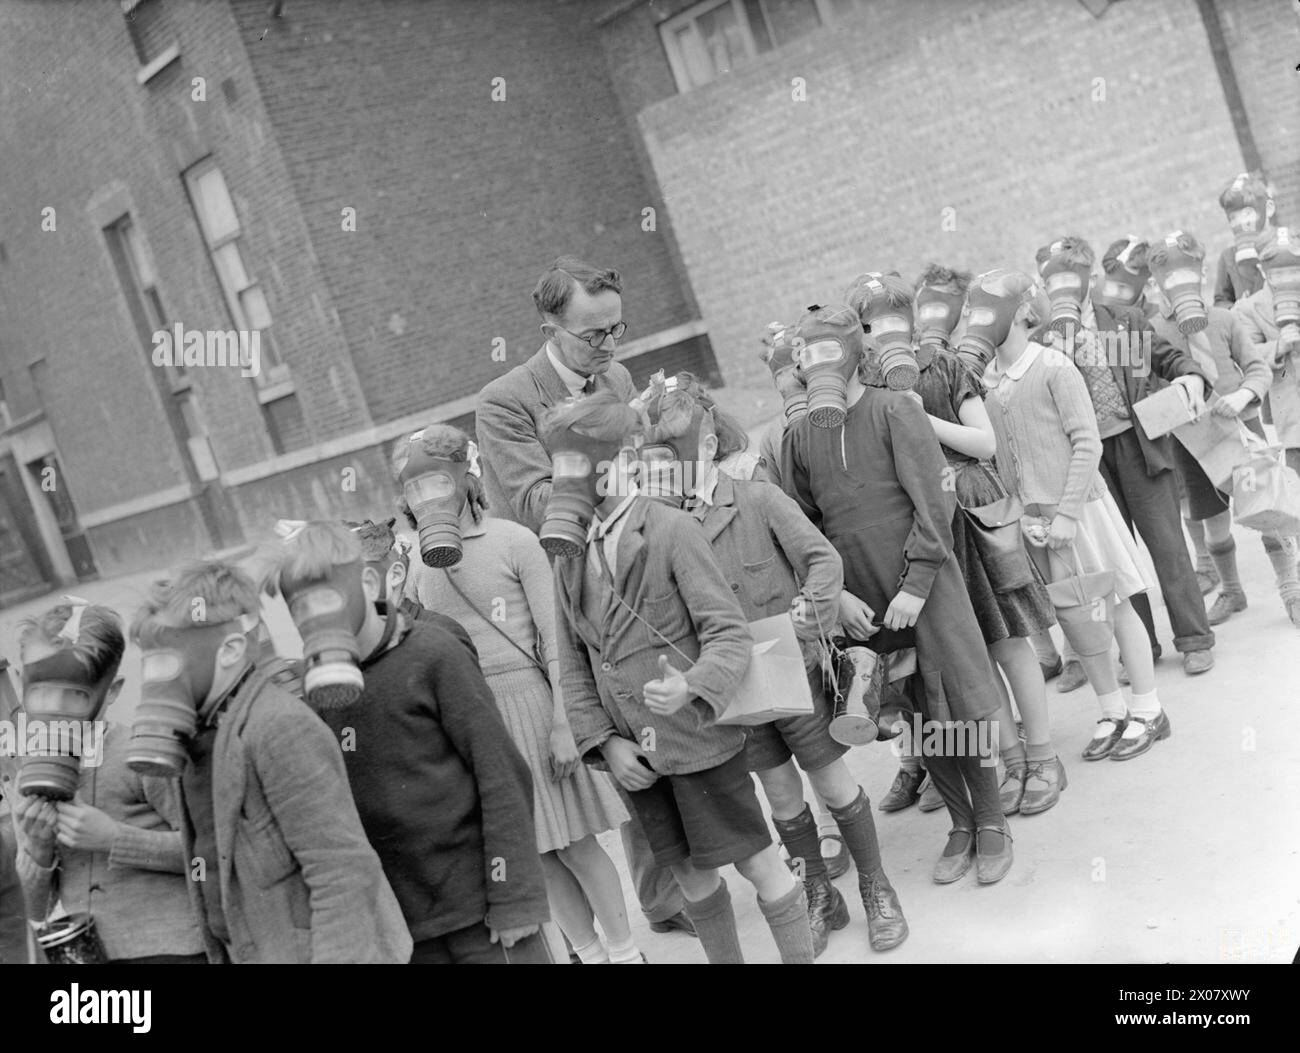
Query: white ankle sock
593	953
624	953
1146	705
1112	706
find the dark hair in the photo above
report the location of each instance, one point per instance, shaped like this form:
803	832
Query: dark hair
1158	253
676	413
949	279
1137	259
377	539
450	444
1074	248
601	415
226	593
99	644
555	287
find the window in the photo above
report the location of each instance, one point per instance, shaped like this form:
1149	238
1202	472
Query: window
151	35
712	38
139	279
5	418
245	296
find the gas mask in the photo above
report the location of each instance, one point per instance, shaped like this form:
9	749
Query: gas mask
989	314
937	312
58	692
176	676
1246	223
1123	283
670	452
1178	273
435	489
778	353
890	324
581	468
1280	262
1067	286
828	347
329	613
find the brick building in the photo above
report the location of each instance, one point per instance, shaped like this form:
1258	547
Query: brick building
373	188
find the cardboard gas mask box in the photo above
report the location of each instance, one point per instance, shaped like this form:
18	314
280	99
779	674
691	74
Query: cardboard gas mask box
776	684
1164	411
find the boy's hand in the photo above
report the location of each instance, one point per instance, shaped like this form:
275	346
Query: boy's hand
1234	404
669	693
84	827
856	616
1194	387
37	824
903	611
509	937
621	756
564	752
1062	532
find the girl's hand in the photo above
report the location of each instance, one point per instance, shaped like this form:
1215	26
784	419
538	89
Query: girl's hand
37	823
564	752
1234	404
1034	530
1062	532
856	617
84	827
904	610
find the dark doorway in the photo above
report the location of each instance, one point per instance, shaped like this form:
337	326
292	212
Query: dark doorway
25	569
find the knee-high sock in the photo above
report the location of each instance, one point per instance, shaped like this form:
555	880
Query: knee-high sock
787	917
1224	554
715	924
858	829
1282	554
802	841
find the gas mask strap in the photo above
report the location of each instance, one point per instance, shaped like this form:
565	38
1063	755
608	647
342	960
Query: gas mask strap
392	616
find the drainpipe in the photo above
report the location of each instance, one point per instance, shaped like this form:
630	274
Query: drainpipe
1228	81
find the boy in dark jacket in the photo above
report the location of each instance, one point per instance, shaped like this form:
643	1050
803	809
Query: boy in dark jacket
652	648
1248	203
777	562
442	792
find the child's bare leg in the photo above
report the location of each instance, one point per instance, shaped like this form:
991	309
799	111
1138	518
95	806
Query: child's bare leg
599	879
570	909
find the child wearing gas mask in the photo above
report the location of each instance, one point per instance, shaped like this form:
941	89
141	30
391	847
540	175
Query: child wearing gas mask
280	867
866	468
1010	610
501	589
1252	214
1048	452
99	838
441	790
1241	377
653	645
749	525
1122	360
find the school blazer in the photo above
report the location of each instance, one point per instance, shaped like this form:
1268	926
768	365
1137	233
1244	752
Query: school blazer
516	465
663	570
1141	374
299	881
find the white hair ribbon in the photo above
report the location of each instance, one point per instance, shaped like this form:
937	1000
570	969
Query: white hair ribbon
288	529
415	435
248	621
72	627
471	455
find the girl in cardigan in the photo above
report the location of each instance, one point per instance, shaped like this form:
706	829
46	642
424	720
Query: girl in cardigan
501	591
1048	451
114	851
951	396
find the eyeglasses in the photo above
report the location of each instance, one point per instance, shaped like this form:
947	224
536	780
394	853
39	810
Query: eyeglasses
597	338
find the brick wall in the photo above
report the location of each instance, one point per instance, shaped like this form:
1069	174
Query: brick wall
914	107
461	201
1263	38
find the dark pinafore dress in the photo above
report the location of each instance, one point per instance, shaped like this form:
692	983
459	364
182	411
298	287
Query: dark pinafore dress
875	488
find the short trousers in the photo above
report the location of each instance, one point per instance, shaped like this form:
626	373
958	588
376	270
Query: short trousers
473	945
807	738
711	817
1204	499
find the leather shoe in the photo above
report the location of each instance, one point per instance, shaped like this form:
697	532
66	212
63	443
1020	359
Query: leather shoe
827	911
1051	672
1012	789
679	922
1195	662
952	868
886	926
1153	730
1225	605
990	869
931	800
1072	677
904	792
1044	781
1098	748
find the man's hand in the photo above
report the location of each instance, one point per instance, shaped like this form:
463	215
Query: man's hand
621	756
564	752
669	693
1234	404
509	937
1062	532
37	823
85	827
856	617
1194	386
903	611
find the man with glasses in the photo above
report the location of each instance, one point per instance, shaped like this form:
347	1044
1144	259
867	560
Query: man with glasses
582	319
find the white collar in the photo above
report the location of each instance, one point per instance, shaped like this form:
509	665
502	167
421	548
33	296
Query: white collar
601	527
575	382
1087	316
704	493
1021	365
